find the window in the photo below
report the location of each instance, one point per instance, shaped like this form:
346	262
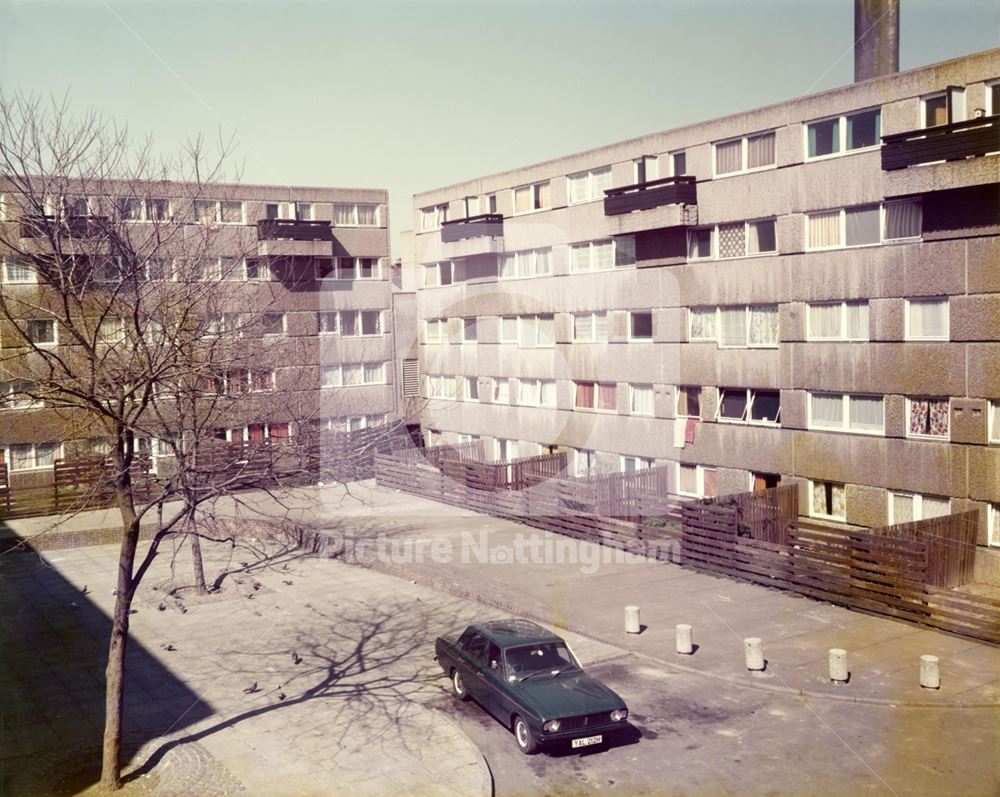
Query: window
994	509
744	154
678	163
601	255
992	102
470	332
733	326
529	263
17	395
508	329
702	324
994	422
261	381
256	270
352	374
688	402
274	323
934	110
349	268
641	399
491	203
645	169
928	417
827	500
837	321
359	323
632	464
470	388
355	215
863	225
927	319
844	133
640	325
436	274
18	272
741	405
327	322
41	331
537	392
436	330
432	218
847	413
135	209
32	456
110	331
590	327
532	197
908	507
738	239
160	269
754	326
501	390
588	186
213	211
585	462
536	331
696	480
700	243
601	396
473	206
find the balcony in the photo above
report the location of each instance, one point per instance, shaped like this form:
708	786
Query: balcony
294	238
672	200
476	235
67	226
953	142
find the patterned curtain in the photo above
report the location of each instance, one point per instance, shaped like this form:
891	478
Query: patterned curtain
732	240
919	413
764	325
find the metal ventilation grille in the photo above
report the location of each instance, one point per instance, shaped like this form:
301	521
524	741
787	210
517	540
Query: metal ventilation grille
411	377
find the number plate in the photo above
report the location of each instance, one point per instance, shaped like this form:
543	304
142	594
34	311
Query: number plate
586	741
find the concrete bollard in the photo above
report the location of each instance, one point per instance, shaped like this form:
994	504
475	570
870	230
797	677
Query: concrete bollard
838	665
684	644
632	620
930	675
754	652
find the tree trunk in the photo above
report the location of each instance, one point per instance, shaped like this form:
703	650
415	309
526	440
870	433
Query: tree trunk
199	567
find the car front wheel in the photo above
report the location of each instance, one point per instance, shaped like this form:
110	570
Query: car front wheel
458	686
525	739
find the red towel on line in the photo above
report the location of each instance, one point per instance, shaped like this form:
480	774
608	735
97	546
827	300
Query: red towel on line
689	430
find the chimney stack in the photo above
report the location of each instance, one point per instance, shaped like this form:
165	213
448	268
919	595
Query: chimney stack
876	38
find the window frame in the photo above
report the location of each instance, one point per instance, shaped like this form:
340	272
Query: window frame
842	336
842	230
812	509
591	244
590	184
993	524
356	214
535	197
440	215
915	436
744	154
845	413
908	332
633	389
943	94
841	135
716	246
992	428
593	315
596	407
6	261
45	344
22	385
632	338
918	505
58	452
747	418
699	479
284	325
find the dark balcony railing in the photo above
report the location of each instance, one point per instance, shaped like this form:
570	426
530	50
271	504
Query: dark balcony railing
293	230
956	141
653	194
488	224
72	226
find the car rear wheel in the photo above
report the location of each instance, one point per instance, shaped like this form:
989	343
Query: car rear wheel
525	739
458	685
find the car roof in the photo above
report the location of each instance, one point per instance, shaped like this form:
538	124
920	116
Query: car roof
514	631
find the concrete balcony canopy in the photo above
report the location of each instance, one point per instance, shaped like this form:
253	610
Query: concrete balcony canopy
955	141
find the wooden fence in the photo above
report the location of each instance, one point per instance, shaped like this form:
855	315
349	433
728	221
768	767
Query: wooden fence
900	572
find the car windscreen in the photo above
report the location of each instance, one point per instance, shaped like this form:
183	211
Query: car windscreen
545	656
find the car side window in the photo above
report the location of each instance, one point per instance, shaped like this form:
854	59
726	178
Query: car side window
475	646
493	660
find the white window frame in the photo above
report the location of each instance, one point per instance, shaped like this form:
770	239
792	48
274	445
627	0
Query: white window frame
496	397
751	395
358	316
744	154
55	332
988	110
651	164
841	135
218	210
284	325
593	315
993	527
937	438
535	197
842	337
440	327
923	108
690	315
918	505
329	314
58	453
355	213
699	479
597	397
506	339
8	388
433	217
672	158
591	267
587	457
845	414
713	243
590	185
535	319
652	331
908	332
264	273
747	309
812	509
716	246
632	391
677	401
993	429
882	216
639	463
526	260
467	386
465	327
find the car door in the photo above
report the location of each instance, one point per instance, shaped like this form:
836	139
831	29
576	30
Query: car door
472	649
491	676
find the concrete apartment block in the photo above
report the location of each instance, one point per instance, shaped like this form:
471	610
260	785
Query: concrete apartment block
859	231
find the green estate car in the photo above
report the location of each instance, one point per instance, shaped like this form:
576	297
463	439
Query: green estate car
529	679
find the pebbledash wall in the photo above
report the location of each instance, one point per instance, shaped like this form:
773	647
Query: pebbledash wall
795	271
340	265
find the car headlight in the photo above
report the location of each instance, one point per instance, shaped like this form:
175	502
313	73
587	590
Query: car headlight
619	714
551	726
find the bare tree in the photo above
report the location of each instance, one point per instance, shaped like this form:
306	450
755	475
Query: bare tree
119	316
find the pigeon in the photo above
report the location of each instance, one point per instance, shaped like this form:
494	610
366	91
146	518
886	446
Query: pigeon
84	591
251	689
282	695
162	607
133	611
287	583
296	658
168	648
256	585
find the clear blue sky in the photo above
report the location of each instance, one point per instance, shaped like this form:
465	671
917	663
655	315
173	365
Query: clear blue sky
413	94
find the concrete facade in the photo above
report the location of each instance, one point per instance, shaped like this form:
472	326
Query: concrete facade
878	473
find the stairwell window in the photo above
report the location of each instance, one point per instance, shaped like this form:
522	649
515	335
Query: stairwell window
528	198
928	418
748	153
827	500
846	413
588	186
837	321
840	134
927	319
